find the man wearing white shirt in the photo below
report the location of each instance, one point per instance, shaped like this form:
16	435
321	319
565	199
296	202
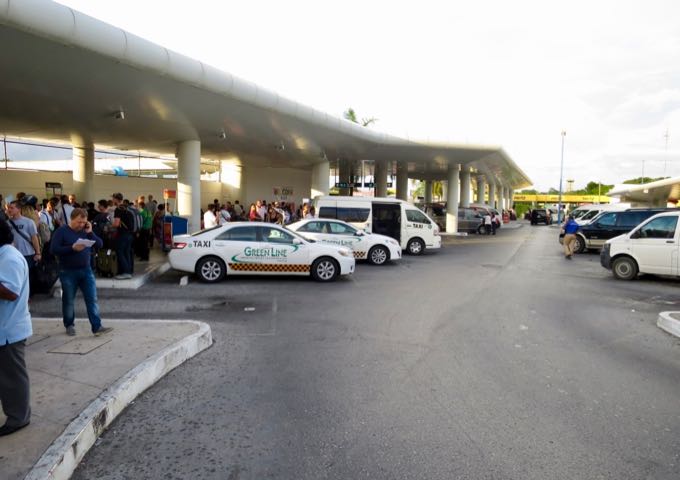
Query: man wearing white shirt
209	217
261	209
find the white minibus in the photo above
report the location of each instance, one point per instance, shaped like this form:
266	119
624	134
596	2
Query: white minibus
408	225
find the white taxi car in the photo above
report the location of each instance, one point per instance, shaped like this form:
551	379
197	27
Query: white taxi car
247	248
377	249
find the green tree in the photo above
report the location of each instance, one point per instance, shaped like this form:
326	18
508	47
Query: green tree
351	115
643	180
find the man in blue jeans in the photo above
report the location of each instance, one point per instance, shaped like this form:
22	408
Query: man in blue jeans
72	244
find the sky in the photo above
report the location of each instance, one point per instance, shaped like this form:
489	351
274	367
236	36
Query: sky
514	74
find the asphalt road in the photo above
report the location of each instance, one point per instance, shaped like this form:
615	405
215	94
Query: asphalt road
494	358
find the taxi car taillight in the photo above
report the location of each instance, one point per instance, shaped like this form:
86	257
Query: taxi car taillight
179	245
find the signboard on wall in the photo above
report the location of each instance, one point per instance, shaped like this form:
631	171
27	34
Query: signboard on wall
566	198
167	193
53	189
283	194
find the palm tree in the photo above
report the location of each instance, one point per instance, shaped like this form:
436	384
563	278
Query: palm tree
351	115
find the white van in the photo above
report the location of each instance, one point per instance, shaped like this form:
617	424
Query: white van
394	218
652	247
587	213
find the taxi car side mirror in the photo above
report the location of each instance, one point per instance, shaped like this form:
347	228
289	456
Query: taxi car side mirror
359	233
297	241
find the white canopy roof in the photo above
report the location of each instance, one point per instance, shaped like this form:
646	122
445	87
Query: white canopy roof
64	75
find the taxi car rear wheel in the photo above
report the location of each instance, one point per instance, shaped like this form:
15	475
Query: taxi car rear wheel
415	246
211	269
378	255
325	269
624	268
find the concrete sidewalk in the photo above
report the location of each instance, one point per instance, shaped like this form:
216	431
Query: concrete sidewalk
80	384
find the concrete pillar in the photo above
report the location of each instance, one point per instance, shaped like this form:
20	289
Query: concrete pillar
492	194
428	191
345	176
189	182
453	192
402	181
481	189
321	173
232	180
465	187
501	198
380	178
83	172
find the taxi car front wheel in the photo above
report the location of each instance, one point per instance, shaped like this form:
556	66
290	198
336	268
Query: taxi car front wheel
325	269
211	269
378	255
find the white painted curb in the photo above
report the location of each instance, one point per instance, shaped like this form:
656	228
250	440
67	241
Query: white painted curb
135	282
669	324
62	457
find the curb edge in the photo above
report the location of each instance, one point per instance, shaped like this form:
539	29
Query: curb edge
62	457
668	324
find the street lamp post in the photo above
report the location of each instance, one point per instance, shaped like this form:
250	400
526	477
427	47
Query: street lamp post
559	201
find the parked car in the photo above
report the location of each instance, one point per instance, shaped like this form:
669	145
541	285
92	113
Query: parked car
651	247
246	248
608	225
586	213
469	218
377	249
541	215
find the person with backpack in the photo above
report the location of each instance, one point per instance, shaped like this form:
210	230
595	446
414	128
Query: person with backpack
25	239
124	223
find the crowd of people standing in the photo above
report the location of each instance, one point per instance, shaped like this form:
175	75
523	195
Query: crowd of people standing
281	213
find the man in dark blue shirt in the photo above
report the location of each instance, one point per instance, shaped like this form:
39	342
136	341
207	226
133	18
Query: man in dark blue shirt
72	244
570	229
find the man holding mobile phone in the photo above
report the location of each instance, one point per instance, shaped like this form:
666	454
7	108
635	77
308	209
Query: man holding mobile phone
72	244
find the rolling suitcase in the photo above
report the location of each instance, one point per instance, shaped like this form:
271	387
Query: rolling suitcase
107	263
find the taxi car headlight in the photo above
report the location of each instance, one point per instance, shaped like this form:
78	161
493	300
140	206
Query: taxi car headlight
345	252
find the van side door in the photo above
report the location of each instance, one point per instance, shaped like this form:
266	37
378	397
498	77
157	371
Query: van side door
655	246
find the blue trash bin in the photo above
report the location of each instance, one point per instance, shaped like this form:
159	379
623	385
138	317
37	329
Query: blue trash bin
173	225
